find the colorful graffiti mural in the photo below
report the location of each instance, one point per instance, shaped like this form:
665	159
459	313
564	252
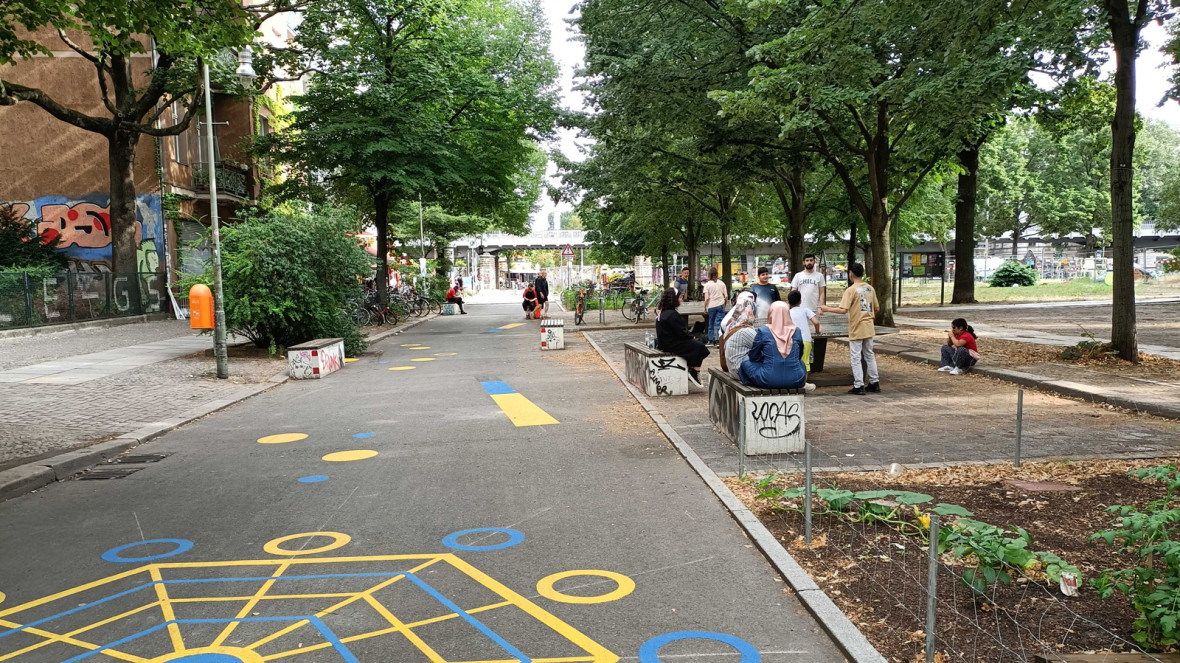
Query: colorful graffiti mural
84	226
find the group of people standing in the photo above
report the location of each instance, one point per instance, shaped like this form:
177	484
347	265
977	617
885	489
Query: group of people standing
777	354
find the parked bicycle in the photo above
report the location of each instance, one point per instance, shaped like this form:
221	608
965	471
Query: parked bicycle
641	304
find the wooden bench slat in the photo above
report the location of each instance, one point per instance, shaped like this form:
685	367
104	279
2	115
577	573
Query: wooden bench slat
317	344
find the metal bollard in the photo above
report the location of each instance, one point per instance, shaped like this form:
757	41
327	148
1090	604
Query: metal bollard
807	491
931	587
1019	422
601	308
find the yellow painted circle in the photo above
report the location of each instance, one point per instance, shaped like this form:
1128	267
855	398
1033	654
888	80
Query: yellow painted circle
625	587
420	347
423	359
349	360
346	456
338	540
403	368
2	597
244	655
282	438
409	345
445	354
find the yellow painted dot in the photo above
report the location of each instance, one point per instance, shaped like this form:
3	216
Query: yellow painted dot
624	587
347	456
338	540
237	654
423	359
1	597
282	438
408	345
445	354
403	368
420	347
349	360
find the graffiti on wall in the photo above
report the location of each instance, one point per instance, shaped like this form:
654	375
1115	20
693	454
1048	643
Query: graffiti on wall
84	226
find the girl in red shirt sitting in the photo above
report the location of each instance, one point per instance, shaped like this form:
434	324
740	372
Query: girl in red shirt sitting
960	352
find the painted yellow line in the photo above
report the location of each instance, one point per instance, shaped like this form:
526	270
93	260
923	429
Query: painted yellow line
51	638
249	604
410	635
268	597
166	609
453	615
521	411
432	557
513	325
598	653
73	590
420	347
403	368
349	360
423	359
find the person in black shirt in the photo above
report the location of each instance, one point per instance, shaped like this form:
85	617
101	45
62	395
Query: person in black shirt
764	293
682	284
542	289
672	335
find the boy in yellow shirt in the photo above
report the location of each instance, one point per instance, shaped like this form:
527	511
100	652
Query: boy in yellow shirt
860	303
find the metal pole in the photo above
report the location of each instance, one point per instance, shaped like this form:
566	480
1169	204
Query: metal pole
422	238
807	490
70	293
28	301
219	351
741	445
1019	422
931	587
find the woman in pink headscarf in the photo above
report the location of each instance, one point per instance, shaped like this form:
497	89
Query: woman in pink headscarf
775	360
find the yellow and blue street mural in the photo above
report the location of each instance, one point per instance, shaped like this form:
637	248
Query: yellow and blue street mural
520	410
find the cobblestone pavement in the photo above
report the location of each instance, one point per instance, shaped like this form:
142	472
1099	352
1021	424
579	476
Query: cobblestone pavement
28	350
921	417
41	419
1156	323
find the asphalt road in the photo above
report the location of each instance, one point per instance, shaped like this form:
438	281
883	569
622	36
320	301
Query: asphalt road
600	494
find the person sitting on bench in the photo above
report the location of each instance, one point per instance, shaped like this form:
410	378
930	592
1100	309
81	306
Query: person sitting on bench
672	335
775	360
737	333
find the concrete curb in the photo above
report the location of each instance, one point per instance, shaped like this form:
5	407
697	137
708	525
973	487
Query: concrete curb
26	478
88	324
1078	390
851	642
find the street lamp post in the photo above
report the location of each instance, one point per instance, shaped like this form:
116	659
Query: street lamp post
246	73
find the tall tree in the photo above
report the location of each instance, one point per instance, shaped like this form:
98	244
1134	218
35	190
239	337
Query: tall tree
134	102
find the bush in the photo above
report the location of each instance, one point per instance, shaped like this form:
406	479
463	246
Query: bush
1013	273
22	250
288	275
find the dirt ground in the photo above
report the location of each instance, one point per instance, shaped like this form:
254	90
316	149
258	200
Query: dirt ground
876	574
1157	324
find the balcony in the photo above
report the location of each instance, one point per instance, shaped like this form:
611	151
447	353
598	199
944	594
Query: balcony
232	179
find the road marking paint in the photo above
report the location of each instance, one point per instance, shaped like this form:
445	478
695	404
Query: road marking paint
362	436
349	360
403	368
315	478
282	438
348	456
522	412
513	325
274	547
423	359
625	586
445	354
408	345
420	347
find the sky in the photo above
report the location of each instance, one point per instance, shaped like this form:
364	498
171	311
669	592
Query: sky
1151	84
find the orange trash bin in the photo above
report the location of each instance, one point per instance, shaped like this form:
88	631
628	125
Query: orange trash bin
200	307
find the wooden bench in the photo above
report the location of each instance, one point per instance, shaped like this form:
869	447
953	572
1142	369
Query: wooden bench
656	373
774	422
315	359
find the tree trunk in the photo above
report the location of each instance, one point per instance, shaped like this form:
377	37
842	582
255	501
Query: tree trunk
964	292
1016	228
796	214
852	242
882	278
1122	129
381	227
692	245
726	254
664	265
121	147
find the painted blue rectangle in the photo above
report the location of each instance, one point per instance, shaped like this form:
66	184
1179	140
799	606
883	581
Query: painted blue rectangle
493	331
497	387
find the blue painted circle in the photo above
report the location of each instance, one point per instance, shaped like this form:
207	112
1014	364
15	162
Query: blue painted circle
112	555
362	436
207	658
315	478
384	361
514	537
650	651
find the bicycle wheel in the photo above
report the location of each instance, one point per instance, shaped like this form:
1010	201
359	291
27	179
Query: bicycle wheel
390	316
580	312
362	316
630	311
437	307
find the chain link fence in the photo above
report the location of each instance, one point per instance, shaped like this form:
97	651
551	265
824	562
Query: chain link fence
34	300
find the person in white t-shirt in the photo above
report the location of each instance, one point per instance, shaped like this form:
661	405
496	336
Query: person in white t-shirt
802	317
810	284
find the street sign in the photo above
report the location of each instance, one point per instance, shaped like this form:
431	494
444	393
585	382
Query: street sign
567	252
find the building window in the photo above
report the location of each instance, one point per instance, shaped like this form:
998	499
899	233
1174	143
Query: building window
180	148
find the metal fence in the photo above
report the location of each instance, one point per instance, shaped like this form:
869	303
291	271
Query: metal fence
32	300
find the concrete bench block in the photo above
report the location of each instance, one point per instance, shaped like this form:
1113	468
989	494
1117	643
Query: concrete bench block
315	359
774	420
448	309
656	373
553	334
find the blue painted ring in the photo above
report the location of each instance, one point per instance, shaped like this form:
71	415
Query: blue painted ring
650	651
112	555
514	537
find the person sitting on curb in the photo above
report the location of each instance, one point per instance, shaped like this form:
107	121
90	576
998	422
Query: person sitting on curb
775	360
960	352
530	301
672	335
737	333
455	296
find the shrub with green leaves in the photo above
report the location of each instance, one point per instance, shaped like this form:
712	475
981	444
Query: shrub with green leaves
1152	535
22	250
287	275
1013	273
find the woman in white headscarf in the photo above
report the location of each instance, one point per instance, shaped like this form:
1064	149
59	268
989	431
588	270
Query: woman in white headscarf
737	332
